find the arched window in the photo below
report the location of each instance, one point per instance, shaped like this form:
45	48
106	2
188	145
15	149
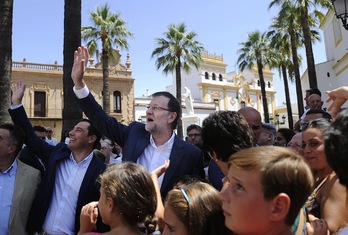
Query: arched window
206	74
220	77
269	84
117	102
213	76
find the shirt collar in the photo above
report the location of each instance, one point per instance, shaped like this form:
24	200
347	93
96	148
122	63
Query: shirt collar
85	162
12	169
166	144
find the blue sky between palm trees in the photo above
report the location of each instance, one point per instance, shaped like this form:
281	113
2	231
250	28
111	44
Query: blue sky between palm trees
221	25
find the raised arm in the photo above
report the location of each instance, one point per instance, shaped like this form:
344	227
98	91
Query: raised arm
19	117
338	97
79	67
154	176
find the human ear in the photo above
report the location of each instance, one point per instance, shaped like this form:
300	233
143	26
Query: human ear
92	139
173	116
280	206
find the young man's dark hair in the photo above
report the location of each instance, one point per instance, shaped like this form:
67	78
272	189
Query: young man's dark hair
39	128
325	115
336	142
312	91
193	127
93	131
226	132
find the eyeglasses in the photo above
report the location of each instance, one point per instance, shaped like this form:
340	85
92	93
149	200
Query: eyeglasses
157	108
194	135
48	131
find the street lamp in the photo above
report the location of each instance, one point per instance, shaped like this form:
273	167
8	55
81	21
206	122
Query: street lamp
277	122
340	7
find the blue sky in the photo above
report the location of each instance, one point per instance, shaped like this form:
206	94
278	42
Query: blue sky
221	25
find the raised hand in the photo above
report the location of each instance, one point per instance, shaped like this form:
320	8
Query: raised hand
338	97
18	92
161	169
79	66
88	217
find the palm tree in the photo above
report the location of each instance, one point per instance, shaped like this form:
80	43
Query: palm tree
178	50
303	7
280	41
72	40
110	29
6	17
256	51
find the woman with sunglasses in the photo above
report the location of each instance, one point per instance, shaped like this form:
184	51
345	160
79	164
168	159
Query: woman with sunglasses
328	199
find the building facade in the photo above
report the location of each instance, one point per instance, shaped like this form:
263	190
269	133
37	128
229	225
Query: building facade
43	97
334	72
212	84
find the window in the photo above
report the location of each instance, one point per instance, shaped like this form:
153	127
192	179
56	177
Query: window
269	84
217	104
206	74
214	76
39	104
220	77
117	102
258	83
242	104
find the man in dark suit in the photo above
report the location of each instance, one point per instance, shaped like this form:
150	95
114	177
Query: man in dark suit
150	144
70	178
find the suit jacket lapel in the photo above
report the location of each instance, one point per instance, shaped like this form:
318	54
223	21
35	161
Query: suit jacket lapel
89	176
20	185
175	159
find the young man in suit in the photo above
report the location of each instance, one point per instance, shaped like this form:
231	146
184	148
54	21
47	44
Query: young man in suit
18	182
150	144
70	178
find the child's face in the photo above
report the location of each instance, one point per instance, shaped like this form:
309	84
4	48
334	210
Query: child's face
245	209
173	225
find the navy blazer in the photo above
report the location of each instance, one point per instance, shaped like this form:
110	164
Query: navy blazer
52	155
184	159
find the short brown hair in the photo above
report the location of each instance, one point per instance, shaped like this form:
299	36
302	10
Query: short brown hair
281	171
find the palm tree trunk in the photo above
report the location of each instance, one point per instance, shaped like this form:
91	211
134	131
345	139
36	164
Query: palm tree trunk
106	92
178	96
312	77
72	40
287	97
263	91
6	18
296	72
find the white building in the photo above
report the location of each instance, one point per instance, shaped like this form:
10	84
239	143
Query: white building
212	88
334	72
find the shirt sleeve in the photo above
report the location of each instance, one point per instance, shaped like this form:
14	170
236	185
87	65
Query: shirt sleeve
15	106
82	93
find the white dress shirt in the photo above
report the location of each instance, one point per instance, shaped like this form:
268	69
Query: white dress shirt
7	183
60	218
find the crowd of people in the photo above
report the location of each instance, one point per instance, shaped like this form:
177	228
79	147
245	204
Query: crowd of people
232	175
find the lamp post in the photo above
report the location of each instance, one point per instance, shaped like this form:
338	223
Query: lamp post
277	122
341	8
